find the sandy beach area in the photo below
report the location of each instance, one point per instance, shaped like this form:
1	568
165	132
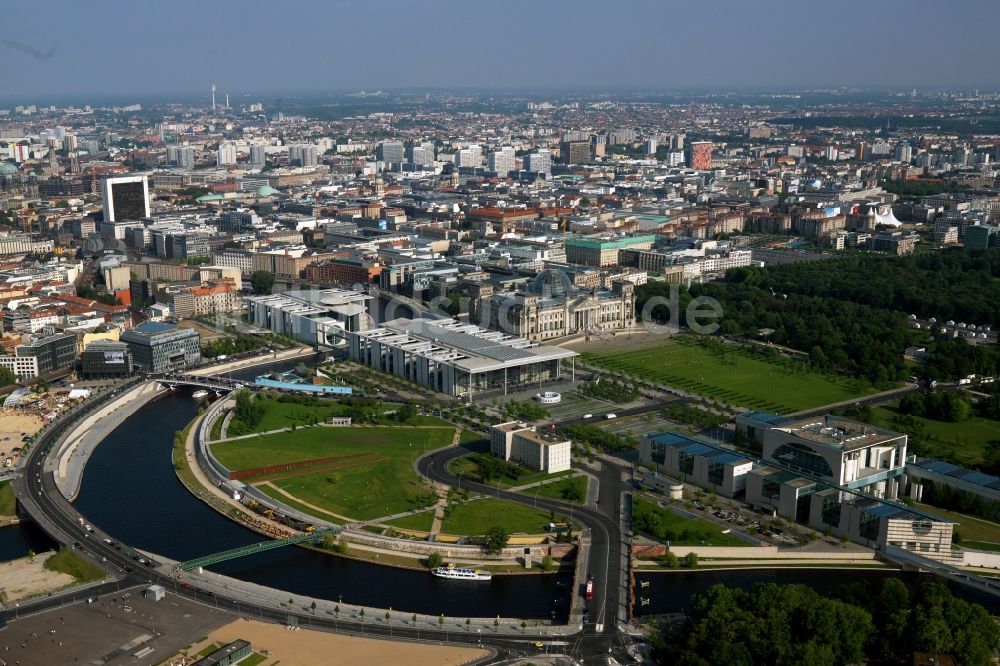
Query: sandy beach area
26	577
14	425
308	648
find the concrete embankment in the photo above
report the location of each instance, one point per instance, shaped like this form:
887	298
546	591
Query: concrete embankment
222	368
72	456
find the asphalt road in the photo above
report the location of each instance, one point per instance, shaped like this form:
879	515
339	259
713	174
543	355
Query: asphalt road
39	497
606	552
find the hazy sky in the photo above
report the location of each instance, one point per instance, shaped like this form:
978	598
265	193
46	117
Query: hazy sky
146	46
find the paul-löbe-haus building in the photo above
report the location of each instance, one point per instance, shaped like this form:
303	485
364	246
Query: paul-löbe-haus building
457	359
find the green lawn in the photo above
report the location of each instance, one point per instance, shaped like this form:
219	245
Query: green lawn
559	489
418	521
254	659
323	442
962	443
299	506
735	376
477	516
209	649
382	484
469	467
665	525
68	562
216	433
278	415
470	436
7	502
970	527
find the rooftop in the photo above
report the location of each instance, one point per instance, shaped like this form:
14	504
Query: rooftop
960	473
465	346
542	437
609	243
839	432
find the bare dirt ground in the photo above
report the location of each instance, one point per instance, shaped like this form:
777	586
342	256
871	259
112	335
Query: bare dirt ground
26	577
307	648
207	334
14	425
639	337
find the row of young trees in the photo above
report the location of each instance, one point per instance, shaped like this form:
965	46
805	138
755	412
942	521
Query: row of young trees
794	624
838	335
609	389
599	438
849	313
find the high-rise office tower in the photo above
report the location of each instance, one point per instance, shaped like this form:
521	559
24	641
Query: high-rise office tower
422	154
125	198
539	161
502	161
226	155
389	152
470	156
574	152
305	155
904	152
185	157
258	154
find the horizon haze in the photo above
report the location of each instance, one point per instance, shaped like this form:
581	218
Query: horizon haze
313	47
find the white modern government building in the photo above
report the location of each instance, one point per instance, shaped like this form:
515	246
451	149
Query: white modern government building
831	473
516	441
455	358
314	317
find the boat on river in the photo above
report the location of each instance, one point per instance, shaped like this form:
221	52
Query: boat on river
454	573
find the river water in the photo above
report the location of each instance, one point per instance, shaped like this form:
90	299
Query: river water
130	490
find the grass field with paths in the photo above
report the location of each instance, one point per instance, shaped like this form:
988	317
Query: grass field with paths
384	485
735	375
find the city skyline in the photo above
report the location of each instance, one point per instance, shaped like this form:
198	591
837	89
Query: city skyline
249	48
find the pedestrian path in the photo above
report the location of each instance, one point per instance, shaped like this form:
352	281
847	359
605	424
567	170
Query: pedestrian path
543	482
297	500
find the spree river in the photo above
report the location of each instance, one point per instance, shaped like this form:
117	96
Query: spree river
130	490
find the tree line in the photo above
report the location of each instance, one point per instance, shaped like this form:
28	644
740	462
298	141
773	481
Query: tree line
849	314
794	624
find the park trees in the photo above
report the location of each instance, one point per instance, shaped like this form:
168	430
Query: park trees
249	410
262	282
495	540
793	624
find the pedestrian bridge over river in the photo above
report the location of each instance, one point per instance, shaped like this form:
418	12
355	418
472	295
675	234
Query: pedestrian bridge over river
255	548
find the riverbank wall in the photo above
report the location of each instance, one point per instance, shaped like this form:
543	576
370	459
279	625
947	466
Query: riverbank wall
73	453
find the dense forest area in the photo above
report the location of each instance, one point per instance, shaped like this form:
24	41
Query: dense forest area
954	284
794	624
850	313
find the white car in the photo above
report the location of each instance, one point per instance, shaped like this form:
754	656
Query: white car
611	416
588	416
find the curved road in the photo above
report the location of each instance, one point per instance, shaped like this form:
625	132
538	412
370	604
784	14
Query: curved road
36	491
605	559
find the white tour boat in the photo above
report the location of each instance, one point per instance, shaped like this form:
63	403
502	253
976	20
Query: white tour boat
199	394
454	573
